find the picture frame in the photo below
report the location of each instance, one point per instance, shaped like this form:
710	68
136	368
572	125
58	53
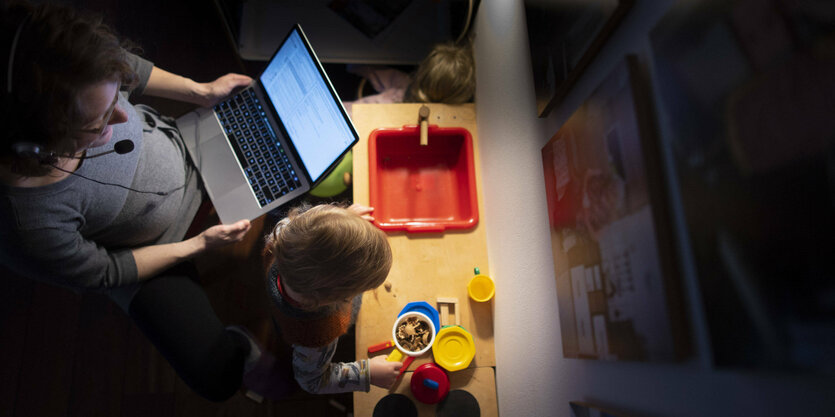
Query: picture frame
564	36
618	287
745	88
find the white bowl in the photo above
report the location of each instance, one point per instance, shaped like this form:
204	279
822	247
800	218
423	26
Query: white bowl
422	317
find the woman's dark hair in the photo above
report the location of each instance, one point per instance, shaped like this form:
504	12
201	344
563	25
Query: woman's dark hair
59	52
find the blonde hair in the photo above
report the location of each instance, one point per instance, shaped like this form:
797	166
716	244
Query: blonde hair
328	254
446	75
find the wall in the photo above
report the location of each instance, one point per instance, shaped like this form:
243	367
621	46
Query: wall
532	376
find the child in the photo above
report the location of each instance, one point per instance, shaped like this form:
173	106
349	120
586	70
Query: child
320	260
446	75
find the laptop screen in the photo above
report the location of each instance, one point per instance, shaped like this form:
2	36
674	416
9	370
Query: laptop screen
309	110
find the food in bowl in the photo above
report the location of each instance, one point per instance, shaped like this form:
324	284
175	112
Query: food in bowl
413	334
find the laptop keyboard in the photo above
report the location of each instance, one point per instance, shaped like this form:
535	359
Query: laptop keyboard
265	163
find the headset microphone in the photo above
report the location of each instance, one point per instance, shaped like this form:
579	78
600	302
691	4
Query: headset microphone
121	147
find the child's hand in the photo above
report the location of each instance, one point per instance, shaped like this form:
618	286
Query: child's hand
383	372
362	211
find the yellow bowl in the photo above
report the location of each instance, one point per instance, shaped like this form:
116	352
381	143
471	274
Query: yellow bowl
481	288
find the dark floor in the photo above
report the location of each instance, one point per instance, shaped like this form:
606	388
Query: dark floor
66	354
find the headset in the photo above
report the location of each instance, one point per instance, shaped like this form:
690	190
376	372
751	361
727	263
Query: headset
33	150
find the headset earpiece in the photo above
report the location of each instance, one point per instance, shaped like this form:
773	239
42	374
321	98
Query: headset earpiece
26	149
35	151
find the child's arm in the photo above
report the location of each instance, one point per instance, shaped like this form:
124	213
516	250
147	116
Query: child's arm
316	374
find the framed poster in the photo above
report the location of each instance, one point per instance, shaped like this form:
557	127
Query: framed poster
581	409
617	286
746	90
564	36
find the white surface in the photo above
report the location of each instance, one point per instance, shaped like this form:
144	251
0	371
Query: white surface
533	379
407	40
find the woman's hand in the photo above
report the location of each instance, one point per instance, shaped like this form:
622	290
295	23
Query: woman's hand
383	372
362	211
162	83
151	260
223	234
215	91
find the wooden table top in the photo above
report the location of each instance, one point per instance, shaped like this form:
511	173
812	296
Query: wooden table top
426	266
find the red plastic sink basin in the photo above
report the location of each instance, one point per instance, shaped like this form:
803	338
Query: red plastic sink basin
422	188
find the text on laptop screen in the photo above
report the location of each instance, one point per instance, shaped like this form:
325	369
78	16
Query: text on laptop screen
309	112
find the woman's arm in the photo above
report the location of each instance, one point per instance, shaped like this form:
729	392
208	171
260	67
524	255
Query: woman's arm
59	254
151	260
162	83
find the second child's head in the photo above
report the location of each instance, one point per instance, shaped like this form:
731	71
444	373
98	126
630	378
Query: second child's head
328	254
446	75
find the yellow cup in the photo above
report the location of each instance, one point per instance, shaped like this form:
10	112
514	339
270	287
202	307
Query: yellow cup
481	288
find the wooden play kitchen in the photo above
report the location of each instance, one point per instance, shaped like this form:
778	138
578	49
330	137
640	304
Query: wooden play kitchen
437	240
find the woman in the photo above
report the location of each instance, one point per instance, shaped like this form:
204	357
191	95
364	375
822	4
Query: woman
113	223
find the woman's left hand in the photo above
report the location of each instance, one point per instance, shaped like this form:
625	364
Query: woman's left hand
151	260
224	234
217	90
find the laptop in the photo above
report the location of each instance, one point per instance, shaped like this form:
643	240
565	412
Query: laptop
274	140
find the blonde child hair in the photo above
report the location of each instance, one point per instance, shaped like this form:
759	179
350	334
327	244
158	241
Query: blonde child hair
328	254
446	75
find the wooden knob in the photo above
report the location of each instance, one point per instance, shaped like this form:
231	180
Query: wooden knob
423	113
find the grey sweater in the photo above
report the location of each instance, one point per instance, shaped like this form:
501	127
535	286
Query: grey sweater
79	234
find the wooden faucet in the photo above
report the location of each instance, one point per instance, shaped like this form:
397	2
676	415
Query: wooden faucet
423	119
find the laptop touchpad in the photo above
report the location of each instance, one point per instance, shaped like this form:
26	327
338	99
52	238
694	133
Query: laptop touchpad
220	169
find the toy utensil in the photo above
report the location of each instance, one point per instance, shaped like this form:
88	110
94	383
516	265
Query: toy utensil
406	364
380	346
395	356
